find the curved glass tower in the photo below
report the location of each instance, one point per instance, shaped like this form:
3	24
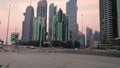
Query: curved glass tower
28	24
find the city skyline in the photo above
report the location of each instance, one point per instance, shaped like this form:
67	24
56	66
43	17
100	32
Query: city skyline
86	7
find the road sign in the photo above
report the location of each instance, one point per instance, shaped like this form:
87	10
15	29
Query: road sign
14	37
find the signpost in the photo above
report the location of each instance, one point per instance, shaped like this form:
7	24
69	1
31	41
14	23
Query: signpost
15	39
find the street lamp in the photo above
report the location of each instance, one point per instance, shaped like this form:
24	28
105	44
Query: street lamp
9	5
82	23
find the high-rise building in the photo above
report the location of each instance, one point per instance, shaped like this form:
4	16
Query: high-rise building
89	35
81	39
38	29
108	20
36	24
60	27
96	39
118	13
52	13
71	12
97	36
42	12
27	25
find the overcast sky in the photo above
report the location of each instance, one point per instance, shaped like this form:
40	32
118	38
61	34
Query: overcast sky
89	8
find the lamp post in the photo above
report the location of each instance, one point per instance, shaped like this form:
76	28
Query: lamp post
82	27
8	24
82	23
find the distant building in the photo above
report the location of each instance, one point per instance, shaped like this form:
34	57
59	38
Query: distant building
108	20
52	13
60	27
36	24
96	39
89	36
39	29
97	36
71	12
81	39
27	25
42	13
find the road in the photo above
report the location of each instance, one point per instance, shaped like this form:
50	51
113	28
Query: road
33	59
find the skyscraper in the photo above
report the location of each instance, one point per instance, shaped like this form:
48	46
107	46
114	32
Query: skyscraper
27	25
108	20
52	13
97	36
60	27
71	12
81	39
42	12
89	35
118	13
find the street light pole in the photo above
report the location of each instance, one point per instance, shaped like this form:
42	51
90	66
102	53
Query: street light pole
8	25
82	23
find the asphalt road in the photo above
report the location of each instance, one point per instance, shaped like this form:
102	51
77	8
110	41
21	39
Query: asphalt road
31	58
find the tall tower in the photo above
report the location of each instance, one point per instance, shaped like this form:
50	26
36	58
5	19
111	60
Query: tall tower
42	12
52	13
60	27
108	20
71	12
89	34
28	24
118	12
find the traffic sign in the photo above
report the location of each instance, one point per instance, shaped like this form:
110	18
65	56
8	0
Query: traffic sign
14	37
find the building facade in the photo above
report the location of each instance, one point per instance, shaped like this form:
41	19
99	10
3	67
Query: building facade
118	13
81	39
60	27
39	29
108	20
42	13
52	13
27	25
71	12
89	36
97	36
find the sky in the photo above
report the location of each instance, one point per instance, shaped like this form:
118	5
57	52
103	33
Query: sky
89	9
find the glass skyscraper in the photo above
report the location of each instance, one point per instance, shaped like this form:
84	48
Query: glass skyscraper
108	20
28	24
89	34
118	13
60	27
71	12
52	13
42	12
